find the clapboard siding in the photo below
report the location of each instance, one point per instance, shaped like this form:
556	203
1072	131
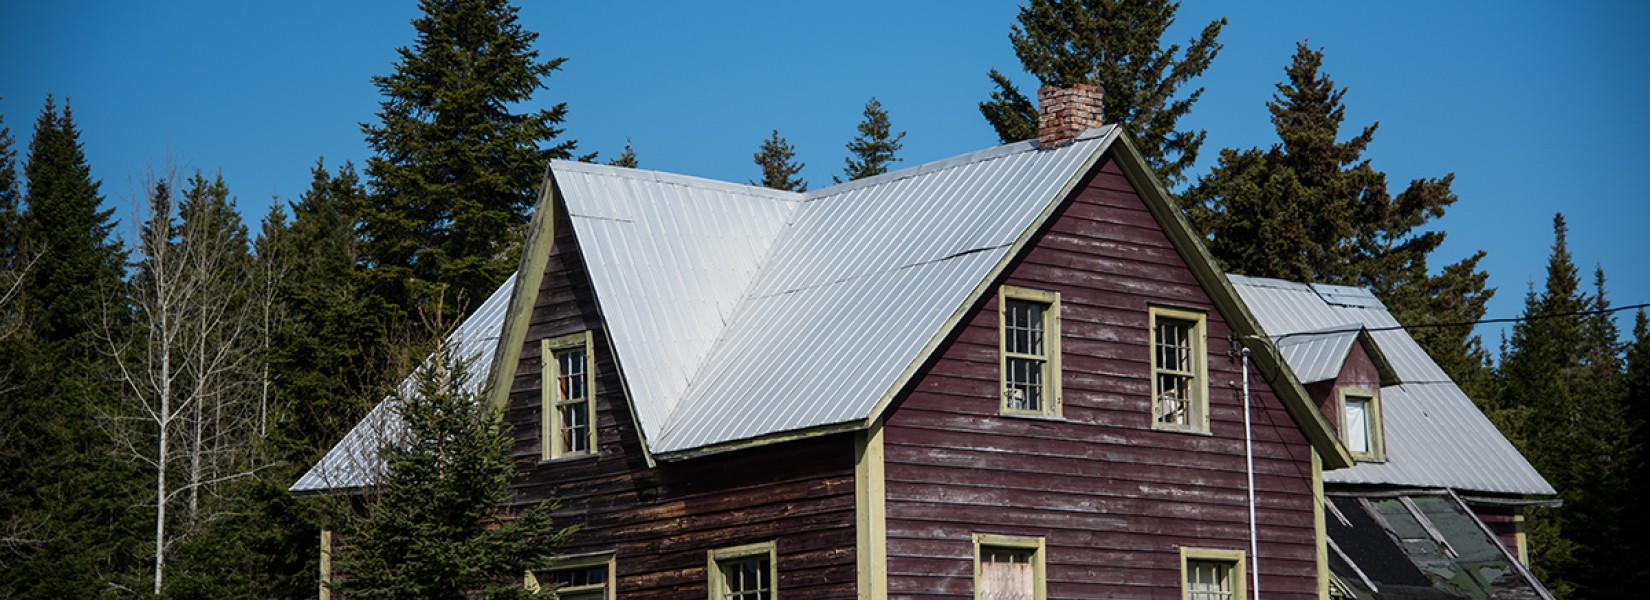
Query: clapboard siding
1114	499
660	521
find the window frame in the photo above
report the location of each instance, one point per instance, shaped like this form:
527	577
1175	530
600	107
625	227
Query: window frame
1053	404
550	418
585	561
1237	559
714	559
1373	427
1039	559
1198	408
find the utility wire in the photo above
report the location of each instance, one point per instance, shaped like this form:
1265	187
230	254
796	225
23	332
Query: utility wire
1400	327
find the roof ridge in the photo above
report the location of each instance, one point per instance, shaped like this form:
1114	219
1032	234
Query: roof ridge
678	179
951	162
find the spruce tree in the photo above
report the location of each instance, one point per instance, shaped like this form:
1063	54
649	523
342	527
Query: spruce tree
443	524
780	171
1117	45
627	158
455	171
876	147
1635	528
1311	208
11	200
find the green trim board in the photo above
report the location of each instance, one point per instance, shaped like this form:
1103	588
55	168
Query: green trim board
870	515
535	256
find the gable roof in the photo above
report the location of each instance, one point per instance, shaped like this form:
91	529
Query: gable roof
1435	436
354	461
1317	356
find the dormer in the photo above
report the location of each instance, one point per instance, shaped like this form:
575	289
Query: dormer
1343	371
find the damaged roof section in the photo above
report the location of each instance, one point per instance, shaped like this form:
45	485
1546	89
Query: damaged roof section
1420	545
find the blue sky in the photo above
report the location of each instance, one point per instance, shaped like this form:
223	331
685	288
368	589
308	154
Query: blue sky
1536	107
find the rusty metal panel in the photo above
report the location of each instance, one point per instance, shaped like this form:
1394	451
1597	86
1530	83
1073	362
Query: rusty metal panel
1435	435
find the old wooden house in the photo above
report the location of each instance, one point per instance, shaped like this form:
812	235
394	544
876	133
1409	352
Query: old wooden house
1014	373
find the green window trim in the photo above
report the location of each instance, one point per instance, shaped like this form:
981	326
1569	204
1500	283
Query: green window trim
1180	369
985	543
1234	561
1021	365
1373	428
718	560
604	560
553	406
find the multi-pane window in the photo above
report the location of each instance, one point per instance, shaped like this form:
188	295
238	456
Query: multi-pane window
1179	386
1211	574
1008	568
1209	580
1361	424
581	583
1030	351
569	407
743	573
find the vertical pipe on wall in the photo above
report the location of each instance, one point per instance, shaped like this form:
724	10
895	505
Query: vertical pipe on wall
1249	456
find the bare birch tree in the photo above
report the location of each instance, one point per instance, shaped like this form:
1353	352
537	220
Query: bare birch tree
190	363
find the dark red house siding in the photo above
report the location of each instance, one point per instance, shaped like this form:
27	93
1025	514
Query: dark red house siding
661	521
1114	499
1358	372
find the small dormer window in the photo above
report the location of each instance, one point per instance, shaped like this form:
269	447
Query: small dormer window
1361	424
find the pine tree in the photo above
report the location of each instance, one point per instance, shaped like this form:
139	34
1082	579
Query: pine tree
1635	529
1311	208
876	147
57	463
448	475
1117	45
627	158
11	201
779	169
455	171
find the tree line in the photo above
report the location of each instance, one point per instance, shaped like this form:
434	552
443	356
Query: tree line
161	394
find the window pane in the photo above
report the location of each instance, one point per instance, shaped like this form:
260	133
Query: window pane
1007	574
1357	424
746	579
1174	398
1208	580
575	429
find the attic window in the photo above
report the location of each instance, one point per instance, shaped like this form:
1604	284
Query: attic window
1030	350
567	411
1180	389
1361	424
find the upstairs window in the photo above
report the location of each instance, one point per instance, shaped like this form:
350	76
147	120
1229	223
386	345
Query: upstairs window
1030	350
568	411
744	573
1361	424
1180	387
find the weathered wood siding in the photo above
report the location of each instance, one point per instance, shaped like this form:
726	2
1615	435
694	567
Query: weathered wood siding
661	521
1114	499
1358	372
1503	521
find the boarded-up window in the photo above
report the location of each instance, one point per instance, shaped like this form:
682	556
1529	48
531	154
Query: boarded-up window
1007	573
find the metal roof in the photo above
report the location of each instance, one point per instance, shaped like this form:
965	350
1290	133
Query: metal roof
354	461
1435	436
795	311
1317	355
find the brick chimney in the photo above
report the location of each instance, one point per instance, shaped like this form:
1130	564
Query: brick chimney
1063	113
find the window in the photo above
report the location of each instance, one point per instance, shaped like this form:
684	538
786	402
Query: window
1030	350
1361	424
1180	386
1210	574
1009	568
744	573
568	411
578	578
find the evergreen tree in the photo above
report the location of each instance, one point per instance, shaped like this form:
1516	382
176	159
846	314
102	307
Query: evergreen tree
1571	427
627	158
56	463
1635	530
455	171
1311	208
780	171
876	147
448	475
11	200
1117	45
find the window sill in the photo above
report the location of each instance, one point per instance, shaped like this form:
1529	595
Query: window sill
568	458
1031	416
1184	430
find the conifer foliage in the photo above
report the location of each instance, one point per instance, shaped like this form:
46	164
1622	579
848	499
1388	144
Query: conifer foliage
780	171
441	526
1311	208
1117	45
876	147
455	171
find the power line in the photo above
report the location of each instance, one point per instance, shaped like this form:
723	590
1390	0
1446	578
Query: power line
1401	327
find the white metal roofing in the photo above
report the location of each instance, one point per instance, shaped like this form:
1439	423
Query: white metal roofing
354	462
1435	436
1317	355
793	311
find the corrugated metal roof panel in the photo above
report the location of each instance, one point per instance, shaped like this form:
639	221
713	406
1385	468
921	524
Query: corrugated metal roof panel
1435	435
1317	355
866	274
354	462
669	256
